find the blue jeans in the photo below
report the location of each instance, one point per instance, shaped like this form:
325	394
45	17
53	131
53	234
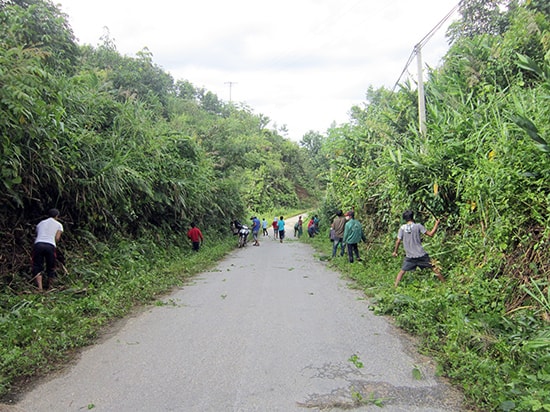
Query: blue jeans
337	241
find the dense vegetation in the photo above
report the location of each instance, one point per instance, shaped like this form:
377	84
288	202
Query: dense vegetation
483	167
130	157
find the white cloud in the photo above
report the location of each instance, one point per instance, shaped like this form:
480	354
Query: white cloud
302	63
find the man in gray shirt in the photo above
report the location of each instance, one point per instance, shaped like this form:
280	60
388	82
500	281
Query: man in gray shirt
415	255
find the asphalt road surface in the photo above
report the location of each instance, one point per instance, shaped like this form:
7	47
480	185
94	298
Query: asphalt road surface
271	328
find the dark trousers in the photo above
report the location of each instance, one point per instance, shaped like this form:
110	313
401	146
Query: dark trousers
43	252
352	248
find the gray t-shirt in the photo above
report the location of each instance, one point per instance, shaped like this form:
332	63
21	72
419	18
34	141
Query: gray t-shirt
409	234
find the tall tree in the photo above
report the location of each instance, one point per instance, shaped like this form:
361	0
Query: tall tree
480	17
39	24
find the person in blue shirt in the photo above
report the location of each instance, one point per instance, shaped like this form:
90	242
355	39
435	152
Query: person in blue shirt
256	224
281	227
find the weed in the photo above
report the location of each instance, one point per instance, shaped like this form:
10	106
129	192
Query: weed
356	361
359	400
417	373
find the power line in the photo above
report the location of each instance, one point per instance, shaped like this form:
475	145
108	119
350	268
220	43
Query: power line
417	48
428	36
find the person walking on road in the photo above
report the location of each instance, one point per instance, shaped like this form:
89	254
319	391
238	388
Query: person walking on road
353	234
48	233
281	227
415	255
338	224
264	227
298	230
255	230
275	226
196	237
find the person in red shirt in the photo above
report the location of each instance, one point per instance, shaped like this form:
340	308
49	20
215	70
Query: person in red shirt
196	237
275	226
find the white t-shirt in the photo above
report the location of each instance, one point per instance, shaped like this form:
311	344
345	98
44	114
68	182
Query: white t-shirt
46	231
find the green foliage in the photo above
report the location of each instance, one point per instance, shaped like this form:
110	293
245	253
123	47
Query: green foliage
483	168
37	24
131	158
118	147
479	17
356	361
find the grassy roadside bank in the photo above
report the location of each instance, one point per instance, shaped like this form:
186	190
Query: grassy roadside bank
38	332
499	359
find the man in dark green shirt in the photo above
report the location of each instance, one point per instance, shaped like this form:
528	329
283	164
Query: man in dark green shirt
353	234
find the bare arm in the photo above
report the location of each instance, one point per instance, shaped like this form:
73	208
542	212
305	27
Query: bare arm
434	229
397	242
58	235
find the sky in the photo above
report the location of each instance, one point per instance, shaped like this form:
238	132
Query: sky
301	63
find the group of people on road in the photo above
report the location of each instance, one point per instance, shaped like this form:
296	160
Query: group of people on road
345	233
278	226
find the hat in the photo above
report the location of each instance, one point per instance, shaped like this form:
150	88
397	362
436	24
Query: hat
350	213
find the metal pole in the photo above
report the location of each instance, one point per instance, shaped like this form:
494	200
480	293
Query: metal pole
230	87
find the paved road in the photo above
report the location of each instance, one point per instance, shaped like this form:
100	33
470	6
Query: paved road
271	328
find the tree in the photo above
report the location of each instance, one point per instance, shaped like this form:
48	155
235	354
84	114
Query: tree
479	17
39	24
313	142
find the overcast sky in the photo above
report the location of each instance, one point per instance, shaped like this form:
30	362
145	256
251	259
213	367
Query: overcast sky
302	63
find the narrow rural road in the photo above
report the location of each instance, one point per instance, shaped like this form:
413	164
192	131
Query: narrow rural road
271	328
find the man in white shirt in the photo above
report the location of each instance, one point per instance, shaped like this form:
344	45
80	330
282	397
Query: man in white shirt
48	233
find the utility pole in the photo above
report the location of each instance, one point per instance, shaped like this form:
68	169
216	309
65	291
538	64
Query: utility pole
230	87
421	96
418	51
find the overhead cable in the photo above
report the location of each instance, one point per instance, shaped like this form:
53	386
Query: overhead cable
423	42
